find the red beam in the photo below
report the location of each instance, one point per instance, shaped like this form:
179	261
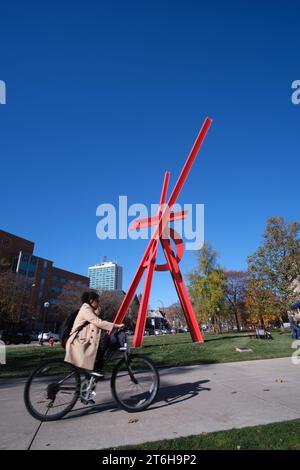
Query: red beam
148	221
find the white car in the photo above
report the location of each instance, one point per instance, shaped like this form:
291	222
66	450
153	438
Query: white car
47	336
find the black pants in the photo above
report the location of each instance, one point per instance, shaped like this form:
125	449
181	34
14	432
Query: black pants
108	343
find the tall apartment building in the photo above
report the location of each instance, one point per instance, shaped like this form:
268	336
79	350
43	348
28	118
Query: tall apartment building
44	280
106	276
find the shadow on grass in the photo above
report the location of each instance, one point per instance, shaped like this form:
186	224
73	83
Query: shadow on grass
227	337
165	341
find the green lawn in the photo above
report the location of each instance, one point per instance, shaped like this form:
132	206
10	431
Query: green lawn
178	350
166	351
21	361
277	436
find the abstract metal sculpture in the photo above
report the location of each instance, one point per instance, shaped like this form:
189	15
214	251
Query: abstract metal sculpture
163	233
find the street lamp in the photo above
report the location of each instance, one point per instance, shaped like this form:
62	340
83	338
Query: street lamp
46	307
31	304
218	319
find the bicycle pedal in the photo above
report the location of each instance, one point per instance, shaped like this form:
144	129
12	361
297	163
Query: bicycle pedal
88	402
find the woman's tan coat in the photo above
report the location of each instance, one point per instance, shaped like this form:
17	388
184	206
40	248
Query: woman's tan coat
82	347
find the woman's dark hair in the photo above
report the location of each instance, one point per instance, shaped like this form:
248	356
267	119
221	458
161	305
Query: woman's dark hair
88	297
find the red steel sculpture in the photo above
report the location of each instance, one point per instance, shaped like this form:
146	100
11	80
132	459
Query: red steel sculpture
163	233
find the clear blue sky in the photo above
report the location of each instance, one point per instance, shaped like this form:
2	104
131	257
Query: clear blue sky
103	97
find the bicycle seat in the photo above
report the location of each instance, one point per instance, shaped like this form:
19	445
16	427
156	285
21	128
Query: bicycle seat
97	375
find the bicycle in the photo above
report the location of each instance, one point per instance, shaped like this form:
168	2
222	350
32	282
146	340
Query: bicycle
54	388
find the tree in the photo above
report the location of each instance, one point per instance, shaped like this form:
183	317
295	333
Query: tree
70	299
207	285
110	302
275	267
175	316
261	303
67	302
236	289
15	305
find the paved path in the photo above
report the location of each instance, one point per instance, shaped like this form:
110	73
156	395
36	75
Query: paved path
192	400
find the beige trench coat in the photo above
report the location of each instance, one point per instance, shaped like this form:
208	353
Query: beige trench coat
82	347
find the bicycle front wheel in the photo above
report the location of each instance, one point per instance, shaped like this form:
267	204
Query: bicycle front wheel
135	383
52	390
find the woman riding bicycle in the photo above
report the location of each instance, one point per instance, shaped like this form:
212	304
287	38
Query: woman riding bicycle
83	348
53	388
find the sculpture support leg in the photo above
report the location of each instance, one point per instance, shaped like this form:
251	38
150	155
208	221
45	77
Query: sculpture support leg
182	291
143	310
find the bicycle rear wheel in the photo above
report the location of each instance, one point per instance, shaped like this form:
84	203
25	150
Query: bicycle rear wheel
135	383
52	390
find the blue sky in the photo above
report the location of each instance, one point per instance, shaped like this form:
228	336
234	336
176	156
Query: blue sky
103	97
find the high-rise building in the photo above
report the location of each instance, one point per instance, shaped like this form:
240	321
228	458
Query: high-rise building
106	276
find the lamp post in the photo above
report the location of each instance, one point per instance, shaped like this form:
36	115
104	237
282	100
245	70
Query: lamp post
31	305
218	319
46	307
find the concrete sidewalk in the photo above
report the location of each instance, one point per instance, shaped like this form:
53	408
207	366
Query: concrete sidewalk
192	400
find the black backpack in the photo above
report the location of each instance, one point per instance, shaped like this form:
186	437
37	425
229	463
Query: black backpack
66	328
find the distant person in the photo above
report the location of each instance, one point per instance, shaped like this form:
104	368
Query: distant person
83	348
295	325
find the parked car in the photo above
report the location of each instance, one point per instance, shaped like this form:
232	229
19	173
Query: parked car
15	337
149	332
165	331
47	336
34	335
181	330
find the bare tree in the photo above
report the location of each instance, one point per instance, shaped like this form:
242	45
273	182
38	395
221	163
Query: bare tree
175	315
15	301
67	302
110	302
236	289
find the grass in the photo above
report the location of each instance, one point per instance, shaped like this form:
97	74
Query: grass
166	351
179	350
21	361
275	436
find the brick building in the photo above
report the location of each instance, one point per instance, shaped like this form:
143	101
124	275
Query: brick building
44	280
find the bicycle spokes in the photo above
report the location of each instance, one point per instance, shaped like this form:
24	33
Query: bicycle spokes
52	390
135	383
